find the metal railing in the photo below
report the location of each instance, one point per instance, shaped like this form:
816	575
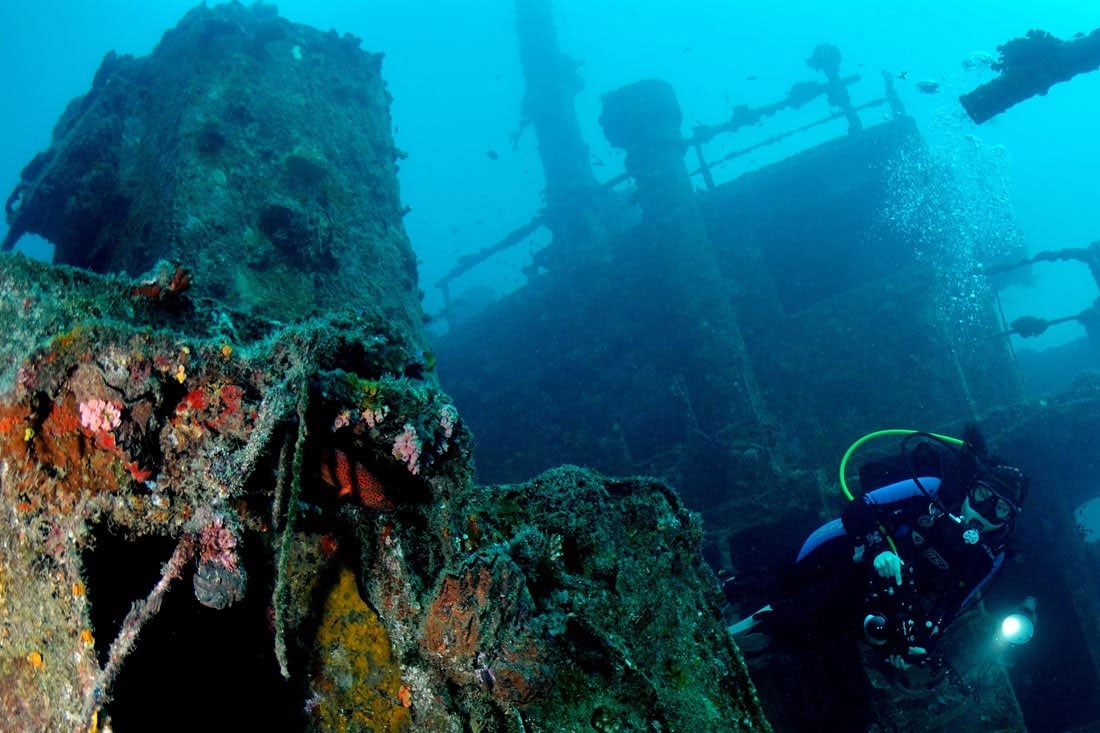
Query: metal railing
802	93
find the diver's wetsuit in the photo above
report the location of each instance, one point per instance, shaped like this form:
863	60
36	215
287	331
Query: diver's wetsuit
824	594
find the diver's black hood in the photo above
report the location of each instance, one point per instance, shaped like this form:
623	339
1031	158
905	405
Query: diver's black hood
976	463
958	468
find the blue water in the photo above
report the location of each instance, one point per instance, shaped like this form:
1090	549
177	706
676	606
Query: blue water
452	69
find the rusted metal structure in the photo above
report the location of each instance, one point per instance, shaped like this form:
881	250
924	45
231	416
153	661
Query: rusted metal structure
834	317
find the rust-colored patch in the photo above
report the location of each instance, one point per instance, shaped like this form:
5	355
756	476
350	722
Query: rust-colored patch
475	627
63	418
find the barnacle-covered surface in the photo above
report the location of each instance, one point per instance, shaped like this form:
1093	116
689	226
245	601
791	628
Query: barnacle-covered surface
605	619
117	428
213	477
255	149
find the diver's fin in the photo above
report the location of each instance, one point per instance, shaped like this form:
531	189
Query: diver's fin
752	643
746	624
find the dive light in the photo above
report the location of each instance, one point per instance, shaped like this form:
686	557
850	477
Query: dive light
1019	626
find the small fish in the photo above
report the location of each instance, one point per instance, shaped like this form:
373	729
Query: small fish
492	154
903	74
927	86
351	478
751	77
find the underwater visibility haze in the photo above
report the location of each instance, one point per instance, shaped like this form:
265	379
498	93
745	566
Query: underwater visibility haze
422	365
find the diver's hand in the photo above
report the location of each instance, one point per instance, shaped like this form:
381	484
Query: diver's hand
887	564
903	662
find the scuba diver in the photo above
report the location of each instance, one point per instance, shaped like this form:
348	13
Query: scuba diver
908	557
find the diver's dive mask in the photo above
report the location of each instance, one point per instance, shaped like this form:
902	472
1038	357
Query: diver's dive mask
990	503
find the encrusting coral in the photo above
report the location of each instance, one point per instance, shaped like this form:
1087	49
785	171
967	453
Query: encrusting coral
317	469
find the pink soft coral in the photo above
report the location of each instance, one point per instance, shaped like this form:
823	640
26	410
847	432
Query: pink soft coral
406	447
218	544
100	415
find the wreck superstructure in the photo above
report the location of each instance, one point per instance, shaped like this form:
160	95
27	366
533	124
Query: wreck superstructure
253	502
309	483
824	313
736	338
